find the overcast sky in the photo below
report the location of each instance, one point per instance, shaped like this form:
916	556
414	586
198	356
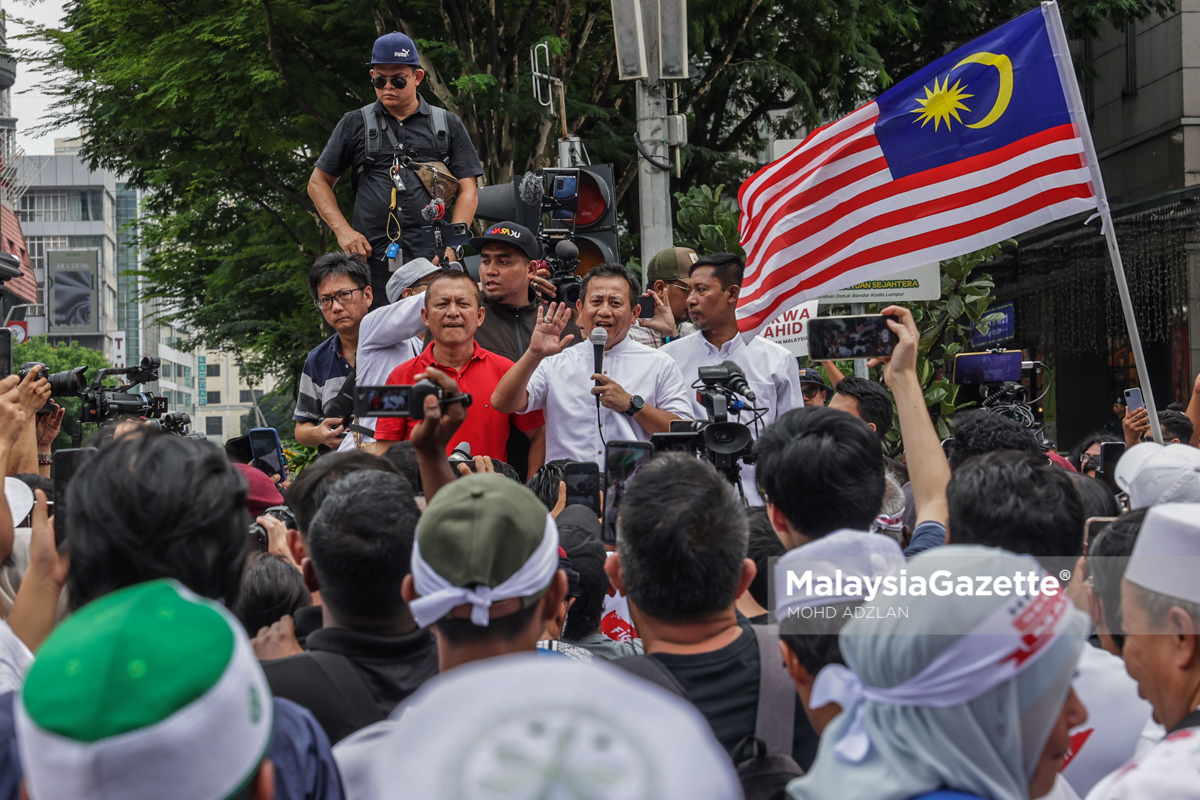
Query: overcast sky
28	102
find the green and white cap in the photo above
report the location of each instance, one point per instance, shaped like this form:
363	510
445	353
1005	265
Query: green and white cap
483	539
148	692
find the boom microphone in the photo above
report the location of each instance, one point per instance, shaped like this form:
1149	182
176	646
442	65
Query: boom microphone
737	380
530	190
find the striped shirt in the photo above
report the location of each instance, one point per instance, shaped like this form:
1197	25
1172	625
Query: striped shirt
325	371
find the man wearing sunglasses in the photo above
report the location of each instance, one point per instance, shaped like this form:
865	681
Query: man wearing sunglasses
812	385
667	282
409	132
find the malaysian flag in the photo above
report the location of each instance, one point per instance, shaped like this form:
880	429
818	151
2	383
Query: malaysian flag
979	146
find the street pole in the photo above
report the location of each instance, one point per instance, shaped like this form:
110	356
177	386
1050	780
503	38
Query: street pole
654	185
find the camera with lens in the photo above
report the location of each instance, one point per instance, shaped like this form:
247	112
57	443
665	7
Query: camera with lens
402	401
178	423
259	540
719	440
68	383
555	193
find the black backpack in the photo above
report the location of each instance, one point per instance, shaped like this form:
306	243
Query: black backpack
373	139
764	758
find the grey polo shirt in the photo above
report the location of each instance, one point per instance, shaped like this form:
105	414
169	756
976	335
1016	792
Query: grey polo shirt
346	149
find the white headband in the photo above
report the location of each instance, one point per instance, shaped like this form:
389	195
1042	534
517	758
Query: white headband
1008	640
439	596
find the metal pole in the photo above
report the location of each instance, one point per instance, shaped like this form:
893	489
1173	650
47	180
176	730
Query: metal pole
654	184
1135	339
860	364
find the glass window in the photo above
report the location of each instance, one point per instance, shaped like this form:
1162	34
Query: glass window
38	245
214	398
212	426
43	206
214	370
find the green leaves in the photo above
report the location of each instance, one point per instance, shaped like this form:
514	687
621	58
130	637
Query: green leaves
707	223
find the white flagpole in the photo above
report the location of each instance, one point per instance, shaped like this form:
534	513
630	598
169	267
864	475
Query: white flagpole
1066	74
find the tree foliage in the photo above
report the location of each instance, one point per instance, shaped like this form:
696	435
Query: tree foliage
219	108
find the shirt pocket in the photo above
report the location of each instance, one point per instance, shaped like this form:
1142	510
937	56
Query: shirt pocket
764	393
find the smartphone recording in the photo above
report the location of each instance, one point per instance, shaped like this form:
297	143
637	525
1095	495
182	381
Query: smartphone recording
988	367
382	401
867	336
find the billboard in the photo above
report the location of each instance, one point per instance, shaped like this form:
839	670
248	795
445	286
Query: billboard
72	286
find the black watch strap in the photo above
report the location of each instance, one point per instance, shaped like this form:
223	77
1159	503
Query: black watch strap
636	404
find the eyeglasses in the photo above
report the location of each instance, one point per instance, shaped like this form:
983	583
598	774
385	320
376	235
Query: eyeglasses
811	390
343	297
680	285
381	81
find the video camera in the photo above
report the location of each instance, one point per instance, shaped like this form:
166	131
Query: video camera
555	192
996	374
402	401
719	440
100	403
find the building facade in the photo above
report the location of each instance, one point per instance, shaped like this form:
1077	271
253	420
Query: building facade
225	398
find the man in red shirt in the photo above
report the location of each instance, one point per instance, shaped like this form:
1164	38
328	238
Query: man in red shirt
453	311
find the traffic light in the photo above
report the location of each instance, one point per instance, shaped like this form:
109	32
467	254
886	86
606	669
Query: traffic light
576	202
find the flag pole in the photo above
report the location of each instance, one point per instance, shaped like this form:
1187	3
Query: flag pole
1066	72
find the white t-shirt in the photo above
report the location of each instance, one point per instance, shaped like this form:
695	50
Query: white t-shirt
771	371
561	386
1116	717
15	659
1168	771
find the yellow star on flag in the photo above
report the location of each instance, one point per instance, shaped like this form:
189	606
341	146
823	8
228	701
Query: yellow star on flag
942	103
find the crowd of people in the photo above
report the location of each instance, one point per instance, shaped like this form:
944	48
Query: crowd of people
425	611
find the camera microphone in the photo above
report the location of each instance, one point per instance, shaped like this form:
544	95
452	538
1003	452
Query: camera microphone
530	189
566	250
737	380
599	338
435	210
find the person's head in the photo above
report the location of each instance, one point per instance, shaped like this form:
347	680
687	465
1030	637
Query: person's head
820	470
812	385
507	262
545	481
1018	502
453	308
1108	555
667	274
715	282
1160	611
149	506
1119	407
1097	499
360	546
1176	428
847	563
865	399
607	299
412	278
579	535
978	432
1000	730
485	570
681	542
1085	457
263	492
395	57
125	688
341	287
762	545
1153	474
403	456
271	588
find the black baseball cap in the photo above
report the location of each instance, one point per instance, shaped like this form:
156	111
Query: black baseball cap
812	375
511	234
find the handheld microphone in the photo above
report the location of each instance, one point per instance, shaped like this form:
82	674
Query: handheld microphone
530	189
599	338
737	380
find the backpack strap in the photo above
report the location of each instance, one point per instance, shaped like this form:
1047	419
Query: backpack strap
651	669
350	685
776	718
372	141
441	133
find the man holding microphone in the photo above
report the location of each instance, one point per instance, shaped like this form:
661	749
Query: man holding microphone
640	389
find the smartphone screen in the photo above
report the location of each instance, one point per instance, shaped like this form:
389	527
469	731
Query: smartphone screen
267	453
583	485
6	362
645	307
1133	399
621	461
381	401
565	190
866	336
1091	529
1110	454
988	367
66	464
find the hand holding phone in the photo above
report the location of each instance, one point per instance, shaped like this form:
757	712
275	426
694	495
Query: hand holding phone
583	485
268	453
1133	399
865	336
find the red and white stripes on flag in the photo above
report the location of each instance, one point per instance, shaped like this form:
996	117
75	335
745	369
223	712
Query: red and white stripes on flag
829	215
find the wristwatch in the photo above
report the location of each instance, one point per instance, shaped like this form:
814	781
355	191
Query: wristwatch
636	404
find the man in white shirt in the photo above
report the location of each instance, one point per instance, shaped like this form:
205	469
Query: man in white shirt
640	389
770	369
390	335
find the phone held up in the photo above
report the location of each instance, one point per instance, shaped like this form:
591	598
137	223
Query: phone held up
583	485
267	453
621	461
865	336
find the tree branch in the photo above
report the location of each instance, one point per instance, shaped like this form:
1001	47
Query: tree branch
722	61
321	119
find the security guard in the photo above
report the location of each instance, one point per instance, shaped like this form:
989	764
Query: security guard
412	163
